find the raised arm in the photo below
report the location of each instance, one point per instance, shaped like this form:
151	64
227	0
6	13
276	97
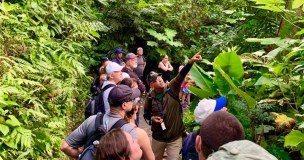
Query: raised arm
176	82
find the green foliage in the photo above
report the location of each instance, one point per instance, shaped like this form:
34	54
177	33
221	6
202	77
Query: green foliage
226	65
167	37
295	140
189	121
42	78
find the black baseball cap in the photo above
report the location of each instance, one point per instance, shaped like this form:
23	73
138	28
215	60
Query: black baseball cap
122	93
152	76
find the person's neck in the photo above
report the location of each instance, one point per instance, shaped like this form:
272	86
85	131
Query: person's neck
118	111
158	90
112	80
138	55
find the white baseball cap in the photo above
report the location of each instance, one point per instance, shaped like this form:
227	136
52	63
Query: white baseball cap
125	75
207	106
112	67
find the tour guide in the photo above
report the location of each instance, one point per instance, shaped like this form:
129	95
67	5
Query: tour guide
167	125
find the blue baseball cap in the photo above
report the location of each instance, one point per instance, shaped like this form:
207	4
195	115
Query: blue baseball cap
220	103
205	107
117	51
104	59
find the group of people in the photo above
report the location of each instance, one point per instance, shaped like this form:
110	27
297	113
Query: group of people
221	135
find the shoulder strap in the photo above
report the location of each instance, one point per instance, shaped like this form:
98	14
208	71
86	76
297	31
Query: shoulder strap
107	87
98	121
119	124
172	94
96	133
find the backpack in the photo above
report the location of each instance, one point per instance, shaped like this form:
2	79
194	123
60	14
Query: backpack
188	147
95	86
148	113
93	139
96	103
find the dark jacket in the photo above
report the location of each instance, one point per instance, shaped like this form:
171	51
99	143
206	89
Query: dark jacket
132	74
172	112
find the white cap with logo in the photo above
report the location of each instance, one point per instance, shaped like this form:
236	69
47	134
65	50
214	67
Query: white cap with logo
112	67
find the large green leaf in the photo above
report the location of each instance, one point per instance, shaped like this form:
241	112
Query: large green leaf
152	44
158	36
4	129
13	121
272	54
265	81
249	100
175	43
294	138
201	93
297	3
170	33
201	78
231	63
272	8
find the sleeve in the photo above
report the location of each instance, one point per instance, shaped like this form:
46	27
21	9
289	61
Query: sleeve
176	82
78	137
130	129
148	104
141	86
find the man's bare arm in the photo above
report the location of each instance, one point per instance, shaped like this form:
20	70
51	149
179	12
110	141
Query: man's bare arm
69	150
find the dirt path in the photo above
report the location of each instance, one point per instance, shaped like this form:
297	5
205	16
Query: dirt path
143	124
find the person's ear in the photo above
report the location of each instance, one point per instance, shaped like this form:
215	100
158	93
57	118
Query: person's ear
198	144
124	106
110	76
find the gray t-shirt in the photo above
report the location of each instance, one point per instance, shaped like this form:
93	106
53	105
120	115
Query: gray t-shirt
241	150
140	66
78	137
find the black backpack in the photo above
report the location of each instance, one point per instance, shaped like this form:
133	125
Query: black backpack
96	103
188	147
148	113
93	139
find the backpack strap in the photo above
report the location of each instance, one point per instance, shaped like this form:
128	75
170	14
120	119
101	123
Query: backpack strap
172	94
98	121
107	87
100	106
98	132
119	124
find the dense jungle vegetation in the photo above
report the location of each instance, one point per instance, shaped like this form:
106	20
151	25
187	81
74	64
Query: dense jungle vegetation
253	53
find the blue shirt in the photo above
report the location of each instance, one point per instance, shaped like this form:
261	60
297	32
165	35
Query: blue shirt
118	61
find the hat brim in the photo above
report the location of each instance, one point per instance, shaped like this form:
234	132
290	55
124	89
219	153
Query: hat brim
130	58
135	93
220	103
119	68
155	75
